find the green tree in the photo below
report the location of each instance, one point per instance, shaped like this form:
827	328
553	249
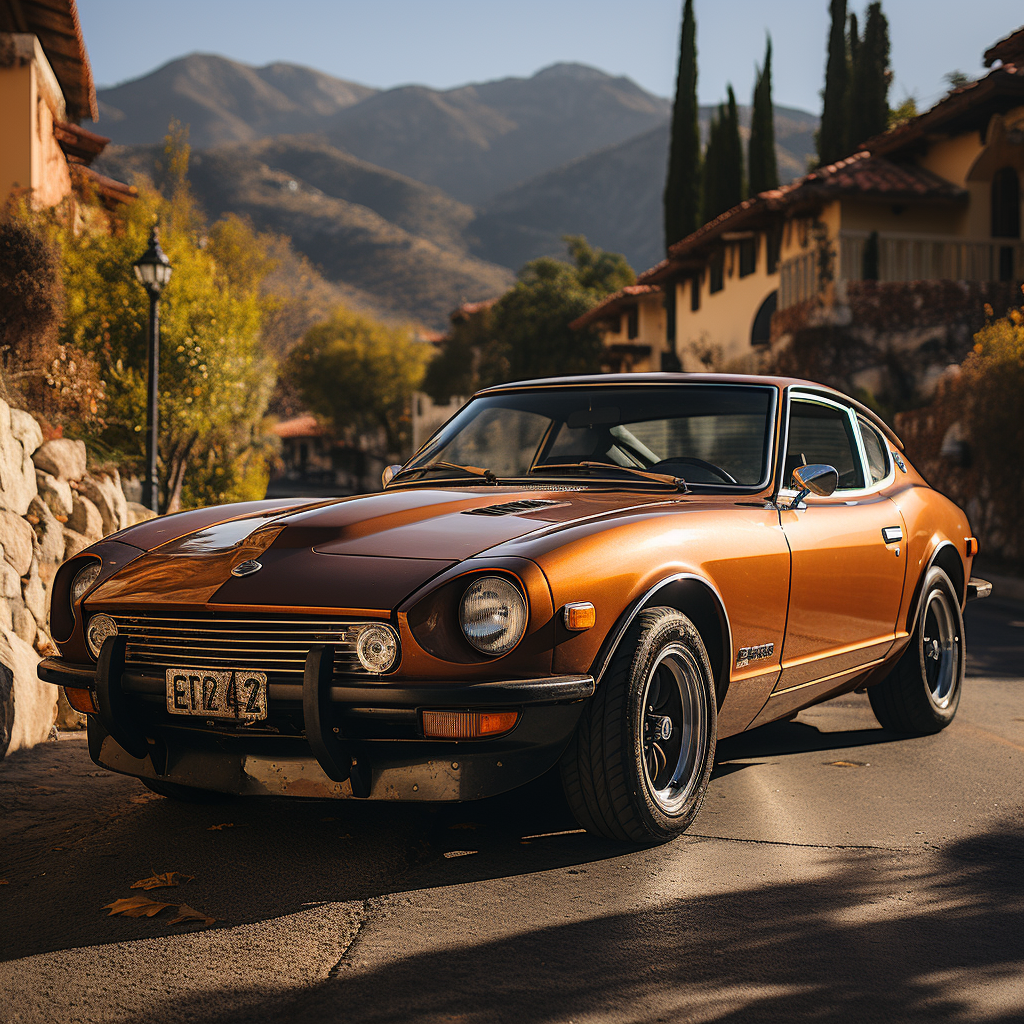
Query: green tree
361	374
526	333
762	167
870	80
832	133
682	185
215	378
723	162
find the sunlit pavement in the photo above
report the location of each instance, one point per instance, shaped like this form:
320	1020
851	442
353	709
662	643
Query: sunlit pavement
836	873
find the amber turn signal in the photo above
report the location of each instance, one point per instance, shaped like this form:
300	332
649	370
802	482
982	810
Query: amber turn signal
81	700
579	615
971	543
467	725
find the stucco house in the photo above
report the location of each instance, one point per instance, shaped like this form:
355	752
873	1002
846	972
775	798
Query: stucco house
46	91
900	246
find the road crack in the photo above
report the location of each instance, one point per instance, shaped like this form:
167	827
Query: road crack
803	846
362	918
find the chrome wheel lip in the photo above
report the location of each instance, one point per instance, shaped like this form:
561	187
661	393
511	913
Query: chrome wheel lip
940	649
690	722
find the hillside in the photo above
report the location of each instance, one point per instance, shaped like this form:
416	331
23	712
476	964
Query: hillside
614	196
414	199
222	100
479	140
396	242
473	142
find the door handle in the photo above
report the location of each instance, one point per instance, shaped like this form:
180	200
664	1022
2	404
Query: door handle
892	534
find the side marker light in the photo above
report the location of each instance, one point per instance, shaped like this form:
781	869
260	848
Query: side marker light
579	615
972	546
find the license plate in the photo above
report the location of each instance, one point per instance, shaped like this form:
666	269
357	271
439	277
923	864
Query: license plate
217	693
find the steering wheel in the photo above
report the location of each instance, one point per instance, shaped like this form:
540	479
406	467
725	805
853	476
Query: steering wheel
709	467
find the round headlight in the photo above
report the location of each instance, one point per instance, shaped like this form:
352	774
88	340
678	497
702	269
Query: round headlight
377	648
493	615
83	581
100	627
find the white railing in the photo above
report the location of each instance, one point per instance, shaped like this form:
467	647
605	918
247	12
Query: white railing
905	258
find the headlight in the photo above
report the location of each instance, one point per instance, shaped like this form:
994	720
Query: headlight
99	628
377	648
83	581
493	615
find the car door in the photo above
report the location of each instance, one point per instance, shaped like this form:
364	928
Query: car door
847	555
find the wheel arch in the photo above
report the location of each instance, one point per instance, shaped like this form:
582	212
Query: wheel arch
697	599
947	558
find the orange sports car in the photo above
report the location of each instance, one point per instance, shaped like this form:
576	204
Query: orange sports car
599	574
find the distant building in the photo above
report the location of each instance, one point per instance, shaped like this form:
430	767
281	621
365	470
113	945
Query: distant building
898	247
46	90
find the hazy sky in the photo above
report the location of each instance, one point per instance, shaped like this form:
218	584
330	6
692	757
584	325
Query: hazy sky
443	43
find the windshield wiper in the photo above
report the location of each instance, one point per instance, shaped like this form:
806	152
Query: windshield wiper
661	478
487	475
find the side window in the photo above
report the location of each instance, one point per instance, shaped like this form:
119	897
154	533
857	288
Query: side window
876	450
822	434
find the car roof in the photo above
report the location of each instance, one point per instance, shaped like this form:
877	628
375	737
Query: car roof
694	378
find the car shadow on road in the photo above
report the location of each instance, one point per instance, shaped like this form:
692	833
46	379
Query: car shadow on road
837	947
796	737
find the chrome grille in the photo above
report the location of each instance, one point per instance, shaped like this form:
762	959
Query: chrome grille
277	646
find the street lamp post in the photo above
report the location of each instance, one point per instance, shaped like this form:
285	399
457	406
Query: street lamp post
153	270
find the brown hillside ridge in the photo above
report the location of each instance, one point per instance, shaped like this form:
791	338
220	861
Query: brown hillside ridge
396	242
584	197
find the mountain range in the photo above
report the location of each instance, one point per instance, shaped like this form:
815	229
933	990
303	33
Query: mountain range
418	198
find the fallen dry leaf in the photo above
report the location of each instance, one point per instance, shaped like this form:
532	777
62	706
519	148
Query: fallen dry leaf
167	879
135	906
3	881
186	913
217	828
42	789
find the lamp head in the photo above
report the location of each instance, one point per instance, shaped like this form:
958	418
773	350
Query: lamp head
153	268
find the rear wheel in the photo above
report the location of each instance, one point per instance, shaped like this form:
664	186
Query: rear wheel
921	694
639	764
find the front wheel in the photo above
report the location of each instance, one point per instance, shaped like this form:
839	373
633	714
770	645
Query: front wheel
639	764
921	694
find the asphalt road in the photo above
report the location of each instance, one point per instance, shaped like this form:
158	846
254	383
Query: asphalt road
836	873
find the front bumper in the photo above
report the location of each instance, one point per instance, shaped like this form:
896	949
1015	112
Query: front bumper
333	754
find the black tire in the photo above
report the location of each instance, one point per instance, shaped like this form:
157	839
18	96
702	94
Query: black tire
623	777
921	694
186	794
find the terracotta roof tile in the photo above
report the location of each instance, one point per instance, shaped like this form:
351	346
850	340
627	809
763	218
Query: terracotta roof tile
1009	49
611	305
300	426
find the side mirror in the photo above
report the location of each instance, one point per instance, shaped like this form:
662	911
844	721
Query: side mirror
817	479
389	472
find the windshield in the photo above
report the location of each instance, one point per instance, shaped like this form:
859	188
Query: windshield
704	434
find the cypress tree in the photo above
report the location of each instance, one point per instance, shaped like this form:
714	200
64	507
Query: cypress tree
871	78
682	185
723	162
712	168
762	168
852	49
832	133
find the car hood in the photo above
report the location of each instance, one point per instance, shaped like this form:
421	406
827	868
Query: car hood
365	552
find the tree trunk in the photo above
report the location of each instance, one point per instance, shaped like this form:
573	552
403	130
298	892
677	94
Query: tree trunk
177	465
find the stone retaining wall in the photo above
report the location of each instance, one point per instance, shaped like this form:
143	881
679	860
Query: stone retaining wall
51	507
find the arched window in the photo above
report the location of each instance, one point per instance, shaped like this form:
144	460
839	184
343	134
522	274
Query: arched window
760	333
1006	204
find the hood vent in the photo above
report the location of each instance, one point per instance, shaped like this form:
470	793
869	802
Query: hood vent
512	508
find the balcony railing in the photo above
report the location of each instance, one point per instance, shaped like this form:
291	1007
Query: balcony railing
904	258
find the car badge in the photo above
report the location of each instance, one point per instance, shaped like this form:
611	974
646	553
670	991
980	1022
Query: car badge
246	568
